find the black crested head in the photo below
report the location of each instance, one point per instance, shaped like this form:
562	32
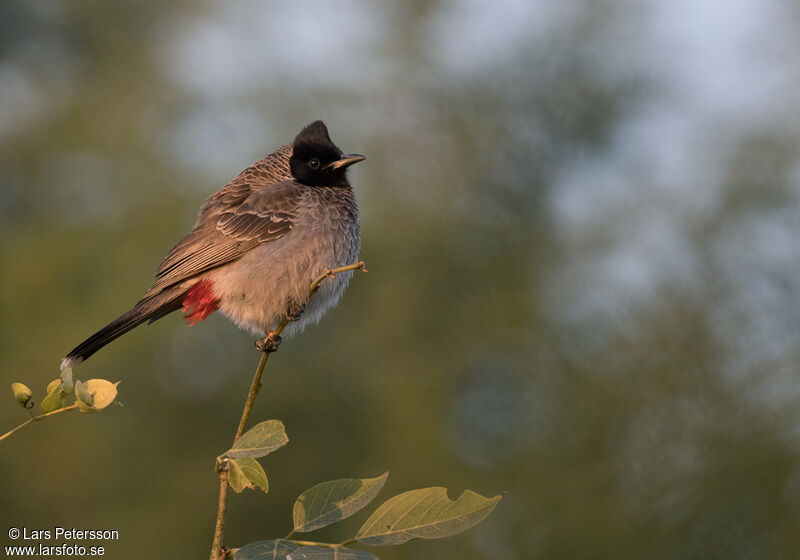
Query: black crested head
316	160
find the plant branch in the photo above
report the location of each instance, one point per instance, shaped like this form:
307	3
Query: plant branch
330	273
255	385
39	417
222	506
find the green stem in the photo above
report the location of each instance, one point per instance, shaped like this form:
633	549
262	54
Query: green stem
34	418
9	432
330	273
222	505
216	547
314	543
255	385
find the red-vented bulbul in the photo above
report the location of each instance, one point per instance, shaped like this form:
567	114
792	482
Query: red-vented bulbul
257	245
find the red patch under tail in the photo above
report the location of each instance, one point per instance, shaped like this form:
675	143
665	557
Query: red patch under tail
200	302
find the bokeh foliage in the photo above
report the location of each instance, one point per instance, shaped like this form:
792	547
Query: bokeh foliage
580	221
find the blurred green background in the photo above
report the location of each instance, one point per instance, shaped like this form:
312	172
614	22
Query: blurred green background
581	221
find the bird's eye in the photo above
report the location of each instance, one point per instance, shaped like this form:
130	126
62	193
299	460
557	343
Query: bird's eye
314	163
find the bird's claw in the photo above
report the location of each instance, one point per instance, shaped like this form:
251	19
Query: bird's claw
269	343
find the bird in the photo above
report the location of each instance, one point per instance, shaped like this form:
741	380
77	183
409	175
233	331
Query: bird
257	245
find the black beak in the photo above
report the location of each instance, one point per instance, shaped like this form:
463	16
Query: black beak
346	160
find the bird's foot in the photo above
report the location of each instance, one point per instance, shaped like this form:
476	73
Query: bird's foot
294	310
269	343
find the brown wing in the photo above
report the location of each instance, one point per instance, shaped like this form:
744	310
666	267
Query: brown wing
272	169
241	216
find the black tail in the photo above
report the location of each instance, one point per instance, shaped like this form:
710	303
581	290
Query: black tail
149	309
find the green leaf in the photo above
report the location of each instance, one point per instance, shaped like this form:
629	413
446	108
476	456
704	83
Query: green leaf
426	513
246	473
101	393
23	394
329	502
53	400
66	380
236	477
262	439
329	553
83	396
276	549
53	385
